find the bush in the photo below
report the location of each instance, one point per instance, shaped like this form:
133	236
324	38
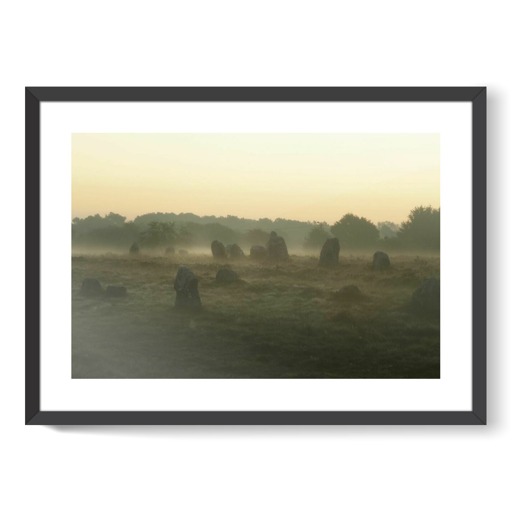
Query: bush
158	234
422	230
355	232
255	237
316	238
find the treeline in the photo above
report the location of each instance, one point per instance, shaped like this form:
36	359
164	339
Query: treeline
421	230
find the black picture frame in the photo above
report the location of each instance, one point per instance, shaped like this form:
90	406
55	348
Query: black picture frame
34	96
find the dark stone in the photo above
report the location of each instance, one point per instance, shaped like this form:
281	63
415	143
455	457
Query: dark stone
349	292
330	253
115	291
277	250
258	252
235	252
183	252
226	275
218	250
170	250
426	299
91	287
187	295
134	249
381	261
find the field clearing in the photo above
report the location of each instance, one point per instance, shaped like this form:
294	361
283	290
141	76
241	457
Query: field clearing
278	321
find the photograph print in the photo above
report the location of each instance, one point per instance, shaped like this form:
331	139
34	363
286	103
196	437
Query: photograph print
255	256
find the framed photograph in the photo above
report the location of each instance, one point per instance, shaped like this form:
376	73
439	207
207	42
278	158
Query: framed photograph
269	255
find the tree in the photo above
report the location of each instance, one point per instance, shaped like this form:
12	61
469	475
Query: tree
158	234
422	230
316	237
355	232
255	237
185	236
388	229
216	231
115	219
204	234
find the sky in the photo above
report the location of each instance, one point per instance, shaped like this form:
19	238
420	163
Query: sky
301	176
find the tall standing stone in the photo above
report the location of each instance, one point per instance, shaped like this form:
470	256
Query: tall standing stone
276	246
330	253
218	250
187	294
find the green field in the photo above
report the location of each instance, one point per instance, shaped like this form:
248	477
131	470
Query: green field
278	321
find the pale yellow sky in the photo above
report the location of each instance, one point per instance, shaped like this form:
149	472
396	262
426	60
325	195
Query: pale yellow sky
302	176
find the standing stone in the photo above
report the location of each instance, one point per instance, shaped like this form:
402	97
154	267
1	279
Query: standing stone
426	299
115	291
226	275
235	252
134	249
218	250
170	250
330	253
91	287
187	294
277	249
258	252
349	292
381	261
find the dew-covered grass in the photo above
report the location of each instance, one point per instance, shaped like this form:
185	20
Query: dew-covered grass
279	321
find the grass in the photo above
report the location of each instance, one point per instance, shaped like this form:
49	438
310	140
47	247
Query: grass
279	321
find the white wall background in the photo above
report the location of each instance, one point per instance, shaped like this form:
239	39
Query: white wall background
254	43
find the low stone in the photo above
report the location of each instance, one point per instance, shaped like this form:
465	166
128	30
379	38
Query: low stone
235	252
349	292
380	261
258	252
170	250
91	287
115	291
426	299
226	275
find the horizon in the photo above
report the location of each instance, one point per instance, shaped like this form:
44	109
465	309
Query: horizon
295	176
250	219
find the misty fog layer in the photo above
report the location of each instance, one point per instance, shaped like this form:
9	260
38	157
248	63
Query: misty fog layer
157	232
